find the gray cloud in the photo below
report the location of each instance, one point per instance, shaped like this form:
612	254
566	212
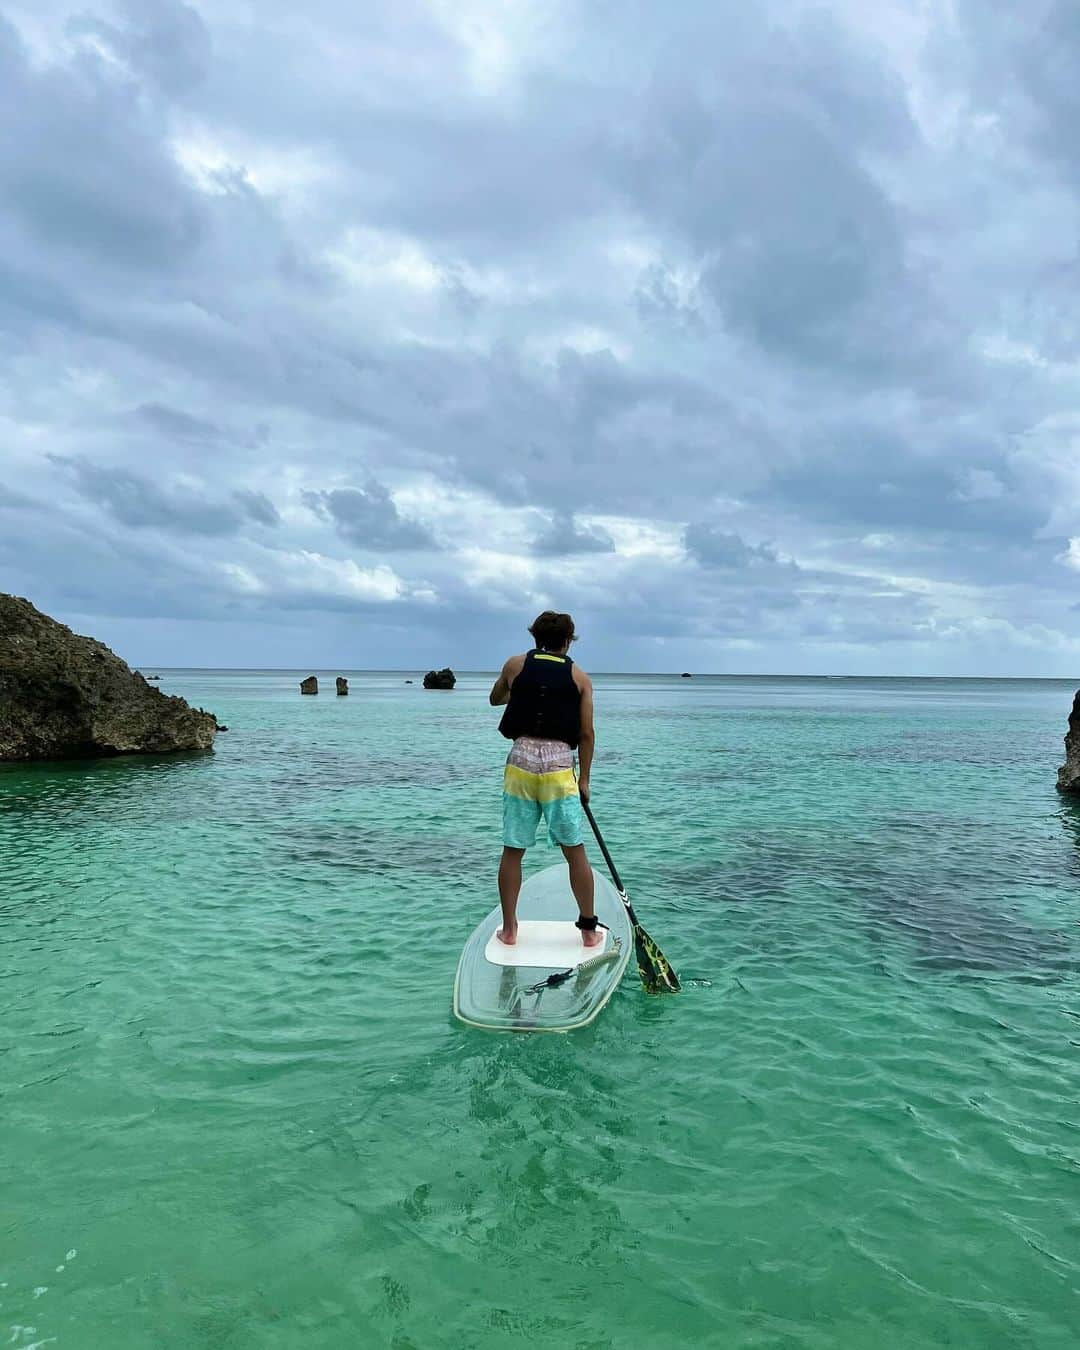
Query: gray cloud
165	41
368	517
564	536
257	506
90	171
713	547
136	501
11	499
174	423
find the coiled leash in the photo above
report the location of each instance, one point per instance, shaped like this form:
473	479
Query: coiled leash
558	977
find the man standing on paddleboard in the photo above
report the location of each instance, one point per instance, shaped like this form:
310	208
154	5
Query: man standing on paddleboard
549	715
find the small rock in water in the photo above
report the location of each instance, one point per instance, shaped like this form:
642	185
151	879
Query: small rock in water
310	685
1068	779
686	675
440	679
342	684
408	681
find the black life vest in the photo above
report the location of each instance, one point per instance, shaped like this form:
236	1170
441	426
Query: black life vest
544	700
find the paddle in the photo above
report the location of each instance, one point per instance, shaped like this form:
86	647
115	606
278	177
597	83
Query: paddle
653	966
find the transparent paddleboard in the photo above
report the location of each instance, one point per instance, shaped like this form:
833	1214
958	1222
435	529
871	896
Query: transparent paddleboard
494	988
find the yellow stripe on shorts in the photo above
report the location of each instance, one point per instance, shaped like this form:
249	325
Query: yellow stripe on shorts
539	787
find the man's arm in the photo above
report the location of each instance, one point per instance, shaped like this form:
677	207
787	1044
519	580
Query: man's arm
500	690
587	741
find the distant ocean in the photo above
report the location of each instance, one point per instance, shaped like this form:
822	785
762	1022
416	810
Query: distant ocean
237	1112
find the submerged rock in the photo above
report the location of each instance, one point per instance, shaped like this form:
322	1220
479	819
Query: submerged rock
342	684
440	679
63	696
310	685
1068	779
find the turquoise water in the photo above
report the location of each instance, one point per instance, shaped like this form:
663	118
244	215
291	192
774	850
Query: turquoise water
237	1112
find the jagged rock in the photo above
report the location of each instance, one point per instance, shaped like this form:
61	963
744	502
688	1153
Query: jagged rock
63	696
310	685
1068	779
440	679
342	684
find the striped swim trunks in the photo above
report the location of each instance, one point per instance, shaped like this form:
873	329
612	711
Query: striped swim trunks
539	781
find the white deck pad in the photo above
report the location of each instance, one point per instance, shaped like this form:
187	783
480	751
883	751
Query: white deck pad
544	944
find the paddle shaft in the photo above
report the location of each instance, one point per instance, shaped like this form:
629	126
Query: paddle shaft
608	859
653	966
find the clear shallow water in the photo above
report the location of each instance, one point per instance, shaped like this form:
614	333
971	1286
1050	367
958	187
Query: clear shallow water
236	1114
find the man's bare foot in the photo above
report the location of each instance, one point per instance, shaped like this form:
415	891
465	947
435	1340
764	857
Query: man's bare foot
592	937
507	936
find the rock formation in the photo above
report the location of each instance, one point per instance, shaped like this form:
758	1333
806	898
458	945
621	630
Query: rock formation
440	679
342	684
63	696
686	675
1068	779
310	685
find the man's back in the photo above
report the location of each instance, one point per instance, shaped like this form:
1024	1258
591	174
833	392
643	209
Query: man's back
544	699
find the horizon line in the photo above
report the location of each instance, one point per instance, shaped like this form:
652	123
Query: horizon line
658	674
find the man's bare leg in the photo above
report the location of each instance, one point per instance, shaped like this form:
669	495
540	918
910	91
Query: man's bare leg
509	890
581	883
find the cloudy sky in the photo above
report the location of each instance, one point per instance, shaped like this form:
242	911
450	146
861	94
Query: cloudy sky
355	334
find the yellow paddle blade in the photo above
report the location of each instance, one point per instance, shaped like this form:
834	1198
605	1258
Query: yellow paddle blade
655	969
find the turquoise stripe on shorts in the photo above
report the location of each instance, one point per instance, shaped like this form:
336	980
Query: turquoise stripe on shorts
521	818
